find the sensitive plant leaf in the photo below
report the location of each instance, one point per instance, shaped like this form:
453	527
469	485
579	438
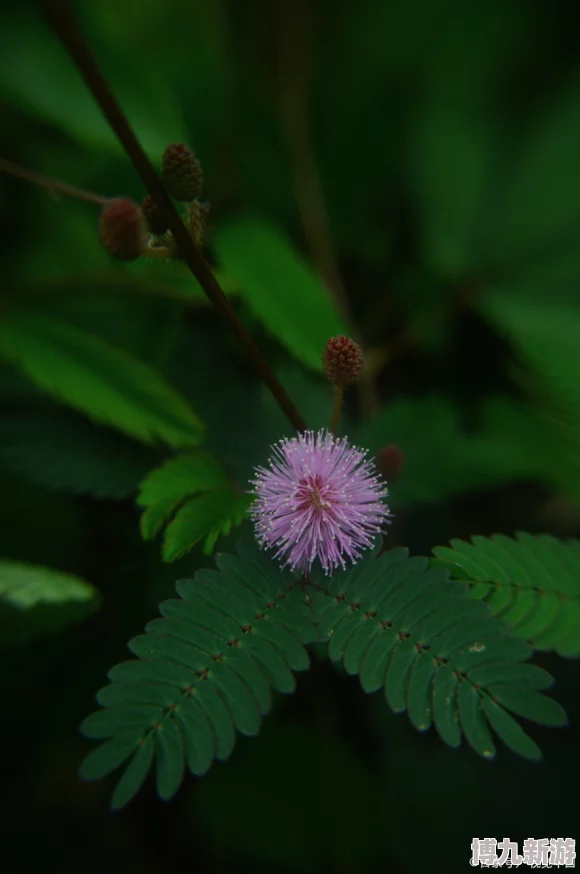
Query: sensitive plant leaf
282	291
530	582
106	383
211	506
203	671
208	516
405	629
36	600
167	486
61	449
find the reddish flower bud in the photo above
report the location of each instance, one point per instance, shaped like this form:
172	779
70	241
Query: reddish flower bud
390	462
181	172
155	221
122	229
342	360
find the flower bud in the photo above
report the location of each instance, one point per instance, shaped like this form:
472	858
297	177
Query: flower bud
181	172
198	213
155	221
122	229
342	360
390	462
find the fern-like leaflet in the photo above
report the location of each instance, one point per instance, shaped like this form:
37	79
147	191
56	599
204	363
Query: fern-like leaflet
405	629
208	666
205	669
531	582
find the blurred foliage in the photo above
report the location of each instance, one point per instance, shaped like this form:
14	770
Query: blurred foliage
419	159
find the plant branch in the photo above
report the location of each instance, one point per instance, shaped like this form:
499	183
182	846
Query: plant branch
61	19
50	184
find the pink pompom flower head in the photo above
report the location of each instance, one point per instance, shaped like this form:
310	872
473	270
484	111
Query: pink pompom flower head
320	498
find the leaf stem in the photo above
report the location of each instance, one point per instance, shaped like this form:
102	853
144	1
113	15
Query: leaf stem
62	21
51	184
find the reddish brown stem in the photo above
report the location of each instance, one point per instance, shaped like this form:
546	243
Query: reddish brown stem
62	20
50	184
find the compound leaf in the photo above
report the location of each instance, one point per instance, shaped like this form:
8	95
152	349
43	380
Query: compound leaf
204	670
531	582
434	651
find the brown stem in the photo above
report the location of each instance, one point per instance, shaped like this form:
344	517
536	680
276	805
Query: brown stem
61	18
51	184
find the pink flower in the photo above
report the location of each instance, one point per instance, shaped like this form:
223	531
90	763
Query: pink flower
318	498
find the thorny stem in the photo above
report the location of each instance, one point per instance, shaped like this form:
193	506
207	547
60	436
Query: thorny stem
50	184
336	408
61	19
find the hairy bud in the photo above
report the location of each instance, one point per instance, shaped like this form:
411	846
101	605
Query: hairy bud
390	462
342	360
155	221
198	213
181	172
122	229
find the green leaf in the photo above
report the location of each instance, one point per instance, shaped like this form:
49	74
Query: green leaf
28	84
61	449
204	671
110	755
510	731
36	600
450	158
106	383
532	581
281	289
473	721
540	205
210	515
170	758
429	636
214	510
134	774
166	487
545	337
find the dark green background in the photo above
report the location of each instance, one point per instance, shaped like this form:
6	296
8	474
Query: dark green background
444	137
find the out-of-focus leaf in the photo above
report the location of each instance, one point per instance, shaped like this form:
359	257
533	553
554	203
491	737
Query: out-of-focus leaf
37	74
106	383
441	459
449	164
546	337
36	600
281	289
59	448
542	202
